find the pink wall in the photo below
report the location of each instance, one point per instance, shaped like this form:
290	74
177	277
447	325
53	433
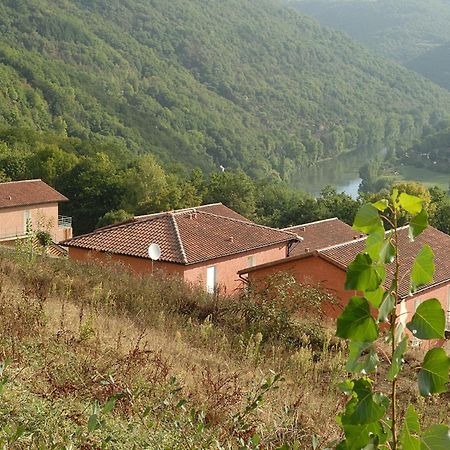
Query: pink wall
43	217
226	268
315	270
138	265
228	280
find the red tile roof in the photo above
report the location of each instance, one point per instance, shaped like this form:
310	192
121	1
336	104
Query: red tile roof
321	234
219	209
186	236
343	254
28	193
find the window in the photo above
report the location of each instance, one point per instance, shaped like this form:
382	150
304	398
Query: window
251	261
211	279
26	221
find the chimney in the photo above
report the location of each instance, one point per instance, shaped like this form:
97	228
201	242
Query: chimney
231	239
307	249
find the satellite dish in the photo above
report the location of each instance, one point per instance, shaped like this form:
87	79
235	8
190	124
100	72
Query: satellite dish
154	252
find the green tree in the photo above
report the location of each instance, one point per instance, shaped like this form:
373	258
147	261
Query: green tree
234	189
371	418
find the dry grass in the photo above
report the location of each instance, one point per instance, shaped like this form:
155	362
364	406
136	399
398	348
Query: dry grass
183	365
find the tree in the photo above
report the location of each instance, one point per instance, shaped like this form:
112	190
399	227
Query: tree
234	189
371	419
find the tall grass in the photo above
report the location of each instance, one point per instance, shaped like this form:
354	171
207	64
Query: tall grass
98	358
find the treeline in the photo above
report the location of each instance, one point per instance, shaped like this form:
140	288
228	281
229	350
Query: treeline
106	183
247	85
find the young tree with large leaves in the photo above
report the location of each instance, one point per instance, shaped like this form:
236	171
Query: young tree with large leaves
371	419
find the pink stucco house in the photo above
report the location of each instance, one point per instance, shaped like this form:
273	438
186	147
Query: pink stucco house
206	245
31	205
327	266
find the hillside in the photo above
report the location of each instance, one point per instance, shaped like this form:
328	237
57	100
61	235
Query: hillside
266	91
96	358
400	29
434	64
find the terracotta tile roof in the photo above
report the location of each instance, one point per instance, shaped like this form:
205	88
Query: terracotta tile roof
185	237
321	234
343	254
219	209
27	193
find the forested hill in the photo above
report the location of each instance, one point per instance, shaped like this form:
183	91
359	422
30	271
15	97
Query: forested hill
400	29
241	83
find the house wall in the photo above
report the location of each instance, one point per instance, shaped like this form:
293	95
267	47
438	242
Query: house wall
138	265
226	268
227	279
43	217
313	271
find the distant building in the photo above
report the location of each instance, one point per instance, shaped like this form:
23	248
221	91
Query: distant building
206	245
31	205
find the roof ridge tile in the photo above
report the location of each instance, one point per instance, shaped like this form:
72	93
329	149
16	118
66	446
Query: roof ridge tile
178	239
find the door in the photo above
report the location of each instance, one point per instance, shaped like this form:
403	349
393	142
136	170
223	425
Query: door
211	279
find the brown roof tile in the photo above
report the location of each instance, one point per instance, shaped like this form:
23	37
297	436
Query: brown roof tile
185	236
343	254
27	193
321	234
219	209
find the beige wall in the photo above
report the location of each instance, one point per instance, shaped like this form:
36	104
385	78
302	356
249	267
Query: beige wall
43	217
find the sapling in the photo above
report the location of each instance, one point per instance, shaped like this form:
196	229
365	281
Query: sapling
372	418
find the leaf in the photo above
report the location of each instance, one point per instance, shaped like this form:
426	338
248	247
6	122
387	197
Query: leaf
360	436
433	376
369	362
356	321
375	297
363	275
397	359
93	423
423	268
367	219
364	409
429	321
437	437
411	425
109	405
386	308
418	224
374	242
410	203
381	205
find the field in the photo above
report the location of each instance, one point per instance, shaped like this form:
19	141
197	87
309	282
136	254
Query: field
96	358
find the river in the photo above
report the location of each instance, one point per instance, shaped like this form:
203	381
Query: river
343	173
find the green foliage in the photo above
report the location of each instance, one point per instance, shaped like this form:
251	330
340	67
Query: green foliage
356	322
365	421
433	376
160	77
428	321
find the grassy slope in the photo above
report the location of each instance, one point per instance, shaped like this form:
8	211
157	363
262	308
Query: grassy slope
79	334
164	77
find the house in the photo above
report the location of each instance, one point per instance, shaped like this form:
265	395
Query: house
31	205
206	245
328	267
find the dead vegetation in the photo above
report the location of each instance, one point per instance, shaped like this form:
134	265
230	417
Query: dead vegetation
97	358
